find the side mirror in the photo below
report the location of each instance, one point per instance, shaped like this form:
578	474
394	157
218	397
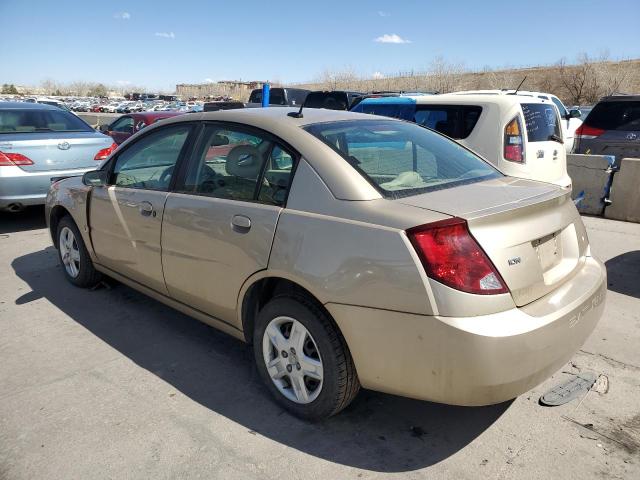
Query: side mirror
95	178
575	113
103	128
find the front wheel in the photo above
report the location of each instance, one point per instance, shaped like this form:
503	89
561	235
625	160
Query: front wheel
73	255
303	359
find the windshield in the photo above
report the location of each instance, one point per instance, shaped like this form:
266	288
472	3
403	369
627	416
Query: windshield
623	115
403	111
32	121
541	120
402	159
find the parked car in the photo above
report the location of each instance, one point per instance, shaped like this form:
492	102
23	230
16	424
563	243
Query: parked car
280	96
39	142
350	250
612	128
126	125
520	135
571	118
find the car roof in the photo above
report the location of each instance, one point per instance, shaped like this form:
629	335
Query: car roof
152	115
621	98
457	99
27	106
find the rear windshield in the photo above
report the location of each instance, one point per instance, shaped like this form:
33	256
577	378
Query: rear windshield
541	120
455	121
328	100
615	116
33	121
402	159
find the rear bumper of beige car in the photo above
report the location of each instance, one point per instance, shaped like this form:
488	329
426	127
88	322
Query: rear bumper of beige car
475	360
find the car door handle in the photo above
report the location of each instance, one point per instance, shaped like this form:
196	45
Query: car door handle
240	223
146	209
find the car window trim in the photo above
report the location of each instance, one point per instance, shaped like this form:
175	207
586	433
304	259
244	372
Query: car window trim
181	156
198	150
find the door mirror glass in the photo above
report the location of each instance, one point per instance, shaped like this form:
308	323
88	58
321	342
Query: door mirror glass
95	178
575	113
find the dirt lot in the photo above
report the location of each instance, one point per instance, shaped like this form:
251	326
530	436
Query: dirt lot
110	384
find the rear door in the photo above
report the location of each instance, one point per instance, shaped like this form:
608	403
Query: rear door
219	226
51	139
545	154
126	215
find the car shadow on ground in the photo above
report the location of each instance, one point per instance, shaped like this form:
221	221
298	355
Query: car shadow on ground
31	218
378	432
623	273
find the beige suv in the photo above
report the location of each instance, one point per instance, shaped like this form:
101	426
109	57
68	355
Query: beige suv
350	250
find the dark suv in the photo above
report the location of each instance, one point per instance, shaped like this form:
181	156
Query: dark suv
612	128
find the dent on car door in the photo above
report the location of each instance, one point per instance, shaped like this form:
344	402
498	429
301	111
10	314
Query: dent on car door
126	214
219	226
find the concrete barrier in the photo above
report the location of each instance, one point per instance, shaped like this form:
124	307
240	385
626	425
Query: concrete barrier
591	177
625	192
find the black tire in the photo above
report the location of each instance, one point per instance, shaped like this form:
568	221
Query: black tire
87	276
340	382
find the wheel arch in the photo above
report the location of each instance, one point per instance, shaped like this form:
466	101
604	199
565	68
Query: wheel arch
56	214
259	289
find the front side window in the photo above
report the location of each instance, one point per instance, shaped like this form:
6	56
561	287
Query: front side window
123	125
541	121
33	121
400	158
240	165
149	162
561	108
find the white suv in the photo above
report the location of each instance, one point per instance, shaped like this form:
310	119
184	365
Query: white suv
520	134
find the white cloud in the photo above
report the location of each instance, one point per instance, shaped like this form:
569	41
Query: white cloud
209	80
122	16
383	14
170	35
391	38
377	75
123	82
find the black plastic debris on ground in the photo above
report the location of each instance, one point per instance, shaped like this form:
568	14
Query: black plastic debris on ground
568	390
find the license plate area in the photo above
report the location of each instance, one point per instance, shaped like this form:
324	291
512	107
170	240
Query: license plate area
549	250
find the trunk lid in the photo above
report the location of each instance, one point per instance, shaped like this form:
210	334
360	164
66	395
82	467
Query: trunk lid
531	231
56	150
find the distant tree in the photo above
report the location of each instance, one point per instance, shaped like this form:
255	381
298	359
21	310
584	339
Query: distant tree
98	90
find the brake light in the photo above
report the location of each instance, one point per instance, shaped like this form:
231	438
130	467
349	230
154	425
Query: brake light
514	141
105	152
452	256
14	159
586	132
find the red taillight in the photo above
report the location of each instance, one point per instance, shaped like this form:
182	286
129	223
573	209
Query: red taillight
105	152
14	159
452	256
586	132
514	141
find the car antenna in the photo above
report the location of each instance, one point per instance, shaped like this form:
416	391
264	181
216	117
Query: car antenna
518	87
297	114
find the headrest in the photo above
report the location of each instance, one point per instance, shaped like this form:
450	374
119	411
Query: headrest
244	161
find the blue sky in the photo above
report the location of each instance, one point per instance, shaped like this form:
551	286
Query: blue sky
160	43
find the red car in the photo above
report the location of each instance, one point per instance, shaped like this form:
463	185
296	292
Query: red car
126	125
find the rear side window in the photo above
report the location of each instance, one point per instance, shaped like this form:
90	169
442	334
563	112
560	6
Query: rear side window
33	121
541	121
403	111
455	121
615	116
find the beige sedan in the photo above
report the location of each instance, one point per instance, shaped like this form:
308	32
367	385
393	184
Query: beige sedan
350	250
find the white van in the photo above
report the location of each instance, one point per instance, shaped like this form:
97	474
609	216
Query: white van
520	134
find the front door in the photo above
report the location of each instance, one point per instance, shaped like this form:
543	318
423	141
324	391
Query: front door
126	215
219	226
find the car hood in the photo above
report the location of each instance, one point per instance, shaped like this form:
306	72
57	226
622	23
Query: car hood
486	197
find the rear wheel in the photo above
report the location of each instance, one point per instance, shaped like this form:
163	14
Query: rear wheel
303	359
73	255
